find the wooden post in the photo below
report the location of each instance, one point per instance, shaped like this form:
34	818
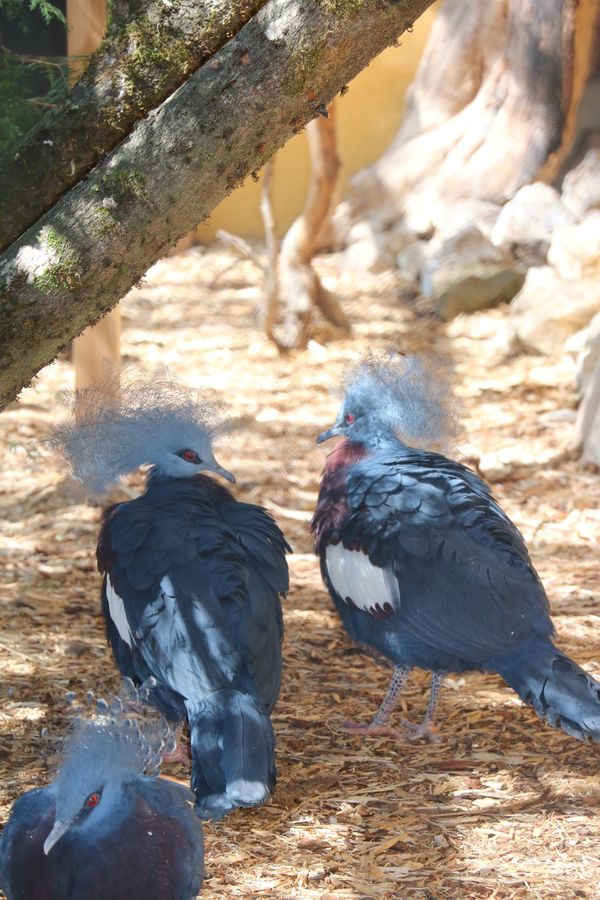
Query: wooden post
87	22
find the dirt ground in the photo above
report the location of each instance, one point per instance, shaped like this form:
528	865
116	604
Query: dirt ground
503	806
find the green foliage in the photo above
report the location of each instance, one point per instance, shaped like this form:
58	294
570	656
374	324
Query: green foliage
21	102
20	107
17	11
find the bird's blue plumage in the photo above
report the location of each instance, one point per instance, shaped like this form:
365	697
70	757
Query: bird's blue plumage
199	576
193	579
426	569
106	826
468	590
148	846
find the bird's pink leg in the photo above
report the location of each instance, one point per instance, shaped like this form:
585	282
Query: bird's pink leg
379	725
426	729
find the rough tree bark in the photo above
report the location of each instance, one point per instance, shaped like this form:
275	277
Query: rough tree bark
491	109
150	49
265	84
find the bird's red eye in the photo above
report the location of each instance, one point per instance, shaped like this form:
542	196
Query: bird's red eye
93	800
350	418
189	455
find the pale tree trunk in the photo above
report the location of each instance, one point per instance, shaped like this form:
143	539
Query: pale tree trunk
496	105
492	108
225	121
587	428
298	285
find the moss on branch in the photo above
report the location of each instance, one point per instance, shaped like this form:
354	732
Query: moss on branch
62	271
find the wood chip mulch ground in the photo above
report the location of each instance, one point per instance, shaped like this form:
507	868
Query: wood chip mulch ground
503	806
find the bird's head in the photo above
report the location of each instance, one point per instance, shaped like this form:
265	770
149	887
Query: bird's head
157	422
89	785
173	461
102	755
394	398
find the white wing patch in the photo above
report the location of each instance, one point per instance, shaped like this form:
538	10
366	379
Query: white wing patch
359	582
167	588
116	607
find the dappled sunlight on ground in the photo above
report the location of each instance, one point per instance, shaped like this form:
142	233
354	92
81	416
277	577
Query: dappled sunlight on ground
503	806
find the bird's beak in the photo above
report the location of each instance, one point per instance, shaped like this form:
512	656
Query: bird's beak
334	431
219	470
58	830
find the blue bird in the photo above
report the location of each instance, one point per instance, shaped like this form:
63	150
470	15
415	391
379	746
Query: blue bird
102	828
424	567
192	582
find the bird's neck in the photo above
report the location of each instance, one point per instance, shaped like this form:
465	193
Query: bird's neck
200	482
155	475
376	441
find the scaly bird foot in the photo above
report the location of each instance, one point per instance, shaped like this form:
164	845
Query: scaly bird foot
371	728
409	731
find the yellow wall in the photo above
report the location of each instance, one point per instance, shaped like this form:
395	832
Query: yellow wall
367	118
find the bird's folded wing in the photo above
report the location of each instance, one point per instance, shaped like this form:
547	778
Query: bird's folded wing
189	642
262	539
177	601
261	630
465	581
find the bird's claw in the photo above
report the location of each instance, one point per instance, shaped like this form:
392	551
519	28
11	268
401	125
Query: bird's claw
181	754
425	729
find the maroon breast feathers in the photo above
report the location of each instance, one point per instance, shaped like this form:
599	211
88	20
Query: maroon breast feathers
332	508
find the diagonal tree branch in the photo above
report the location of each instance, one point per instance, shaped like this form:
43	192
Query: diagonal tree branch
151	48
265	84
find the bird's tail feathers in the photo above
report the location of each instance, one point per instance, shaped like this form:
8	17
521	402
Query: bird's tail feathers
557	688
233	753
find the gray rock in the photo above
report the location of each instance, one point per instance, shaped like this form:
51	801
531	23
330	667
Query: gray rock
367	250
549	309
411	259
398	237
581	186
529	219
464	216
558	417
575	249
426	215
478	289
464	272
